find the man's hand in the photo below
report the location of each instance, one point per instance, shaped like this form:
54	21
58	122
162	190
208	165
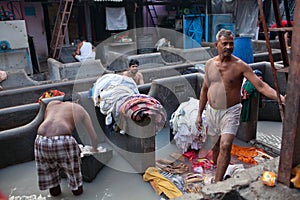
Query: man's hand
93	150
198	123
282	98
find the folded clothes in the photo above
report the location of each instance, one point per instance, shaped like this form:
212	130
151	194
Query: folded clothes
161	184
87	150
173	168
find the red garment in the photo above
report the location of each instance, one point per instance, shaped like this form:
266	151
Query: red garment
51	93
3	196
204	163
191	155
283	24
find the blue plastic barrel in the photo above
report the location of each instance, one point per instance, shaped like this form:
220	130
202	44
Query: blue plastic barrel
243	49
227	26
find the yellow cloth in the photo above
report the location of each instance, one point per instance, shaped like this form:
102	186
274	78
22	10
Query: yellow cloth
163	185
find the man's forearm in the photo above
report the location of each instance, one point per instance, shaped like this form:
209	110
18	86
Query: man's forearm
202	101
272	94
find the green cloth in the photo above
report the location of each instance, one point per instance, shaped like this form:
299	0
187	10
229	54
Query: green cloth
246	109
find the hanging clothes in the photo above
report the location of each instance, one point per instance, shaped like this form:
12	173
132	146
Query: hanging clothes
248	92
116	18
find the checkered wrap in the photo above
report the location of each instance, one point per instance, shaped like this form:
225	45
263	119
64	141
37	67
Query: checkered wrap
139	106
54	153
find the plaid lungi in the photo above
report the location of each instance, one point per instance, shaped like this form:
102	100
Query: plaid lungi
53	153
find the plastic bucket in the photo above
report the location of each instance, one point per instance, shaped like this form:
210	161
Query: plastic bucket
243	49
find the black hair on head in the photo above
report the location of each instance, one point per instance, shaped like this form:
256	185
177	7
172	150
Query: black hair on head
71	97
134	62
82	38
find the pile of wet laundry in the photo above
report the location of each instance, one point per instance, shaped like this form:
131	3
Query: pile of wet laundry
188	173
182	123
119	99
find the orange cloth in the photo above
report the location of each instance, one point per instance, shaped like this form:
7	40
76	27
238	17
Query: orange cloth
296	179
245	154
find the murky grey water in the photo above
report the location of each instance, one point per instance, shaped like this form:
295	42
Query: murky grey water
20	182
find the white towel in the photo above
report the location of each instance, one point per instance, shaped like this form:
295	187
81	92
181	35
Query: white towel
116	18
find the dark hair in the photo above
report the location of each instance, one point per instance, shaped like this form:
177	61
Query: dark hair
82	38
134	62
223	32
71	97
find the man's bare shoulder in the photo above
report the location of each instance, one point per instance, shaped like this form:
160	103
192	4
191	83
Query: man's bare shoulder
213	59
240	63
210	61
139	74
54	102
125	73
238	60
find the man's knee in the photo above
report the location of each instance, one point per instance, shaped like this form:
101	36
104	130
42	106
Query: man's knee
225	147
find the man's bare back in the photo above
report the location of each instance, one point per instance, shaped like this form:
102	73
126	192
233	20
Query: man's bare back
58	120
61	118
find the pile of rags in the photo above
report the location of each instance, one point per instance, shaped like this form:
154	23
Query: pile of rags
183	125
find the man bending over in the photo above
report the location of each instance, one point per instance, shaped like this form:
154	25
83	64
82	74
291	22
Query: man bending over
55	149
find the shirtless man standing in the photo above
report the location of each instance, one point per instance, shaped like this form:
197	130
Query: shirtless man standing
55	149
221	91
133	72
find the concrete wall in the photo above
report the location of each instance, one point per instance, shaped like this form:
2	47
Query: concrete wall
17	79
34	23
170	91
25	95
74	70
16	144
36	28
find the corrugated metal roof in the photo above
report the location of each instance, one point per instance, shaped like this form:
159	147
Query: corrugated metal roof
109	0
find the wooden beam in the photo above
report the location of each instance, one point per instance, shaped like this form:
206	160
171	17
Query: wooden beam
290	148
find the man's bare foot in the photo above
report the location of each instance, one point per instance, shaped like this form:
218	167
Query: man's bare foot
55	191
79	191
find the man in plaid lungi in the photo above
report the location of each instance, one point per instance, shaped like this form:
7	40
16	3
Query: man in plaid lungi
55	149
